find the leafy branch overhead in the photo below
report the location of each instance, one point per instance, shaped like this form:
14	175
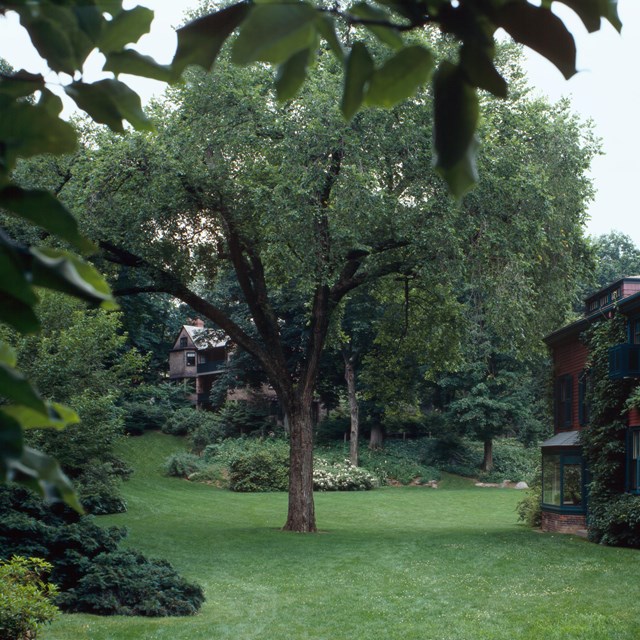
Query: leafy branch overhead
30	124
287	34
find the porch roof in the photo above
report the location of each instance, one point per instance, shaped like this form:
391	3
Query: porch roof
563	439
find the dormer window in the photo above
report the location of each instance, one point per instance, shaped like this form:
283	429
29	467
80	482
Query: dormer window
183	342
593	305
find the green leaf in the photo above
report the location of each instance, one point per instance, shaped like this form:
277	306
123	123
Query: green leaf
63	271
20	84
109	102
15	272
455	120
400	76
11	441
16	388
27	130
359	68
542	31
50	30
43	474
8	354
591	12
274	32
388	35
134	63
291	75
45	210
327	29
477	62
17	314
57	416
124	28
50	102
200	41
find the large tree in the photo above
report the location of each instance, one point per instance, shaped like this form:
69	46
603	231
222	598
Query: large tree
292	198
285	197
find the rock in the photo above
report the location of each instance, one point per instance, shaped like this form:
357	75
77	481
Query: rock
522	485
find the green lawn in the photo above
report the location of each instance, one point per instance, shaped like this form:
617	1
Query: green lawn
395	563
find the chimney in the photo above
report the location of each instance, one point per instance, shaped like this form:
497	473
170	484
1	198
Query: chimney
199	322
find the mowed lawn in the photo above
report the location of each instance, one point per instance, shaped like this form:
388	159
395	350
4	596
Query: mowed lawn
394	563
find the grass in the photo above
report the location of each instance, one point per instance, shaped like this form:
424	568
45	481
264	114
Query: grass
395	563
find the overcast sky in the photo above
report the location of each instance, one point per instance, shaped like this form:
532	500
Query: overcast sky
605	90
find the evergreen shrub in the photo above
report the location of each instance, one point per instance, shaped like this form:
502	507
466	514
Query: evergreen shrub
99	489
126	583
143	416
84	556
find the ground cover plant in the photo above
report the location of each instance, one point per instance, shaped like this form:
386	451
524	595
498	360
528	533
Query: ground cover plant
396	563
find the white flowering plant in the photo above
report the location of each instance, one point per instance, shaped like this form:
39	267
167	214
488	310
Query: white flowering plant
341	476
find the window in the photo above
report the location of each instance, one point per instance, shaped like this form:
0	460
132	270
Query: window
635	331
593	305
633	461
183	342
191	358
564	402
563	481
583	401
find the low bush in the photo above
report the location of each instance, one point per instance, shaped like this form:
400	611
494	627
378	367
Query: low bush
87	562
182	421
128	584
182	464
616	521
529	509
336	476
25	597
262	467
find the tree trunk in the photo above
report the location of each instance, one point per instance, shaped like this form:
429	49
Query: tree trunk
301	515
487	462
350	377
375	442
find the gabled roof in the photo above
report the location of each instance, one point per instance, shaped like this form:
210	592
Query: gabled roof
202	338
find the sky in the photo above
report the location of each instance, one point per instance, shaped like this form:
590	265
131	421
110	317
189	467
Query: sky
604	90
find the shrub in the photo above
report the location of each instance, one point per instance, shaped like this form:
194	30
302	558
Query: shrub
182	421
84	555
99	489
143	416
264	466
529	509
126	583
25	597
182	464
616	522
343	476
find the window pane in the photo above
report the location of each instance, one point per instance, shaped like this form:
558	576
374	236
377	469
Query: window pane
572	484
191	359
551	479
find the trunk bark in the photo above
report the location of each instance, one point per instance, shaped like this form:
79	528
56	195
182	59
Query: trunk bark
301	515
487	462
375	442
350	377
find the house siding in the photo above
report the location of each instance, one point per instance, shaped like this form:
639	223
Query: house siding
570	359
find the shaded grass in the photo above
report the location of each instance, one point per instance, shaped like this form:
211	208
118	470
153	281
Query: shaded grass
410	563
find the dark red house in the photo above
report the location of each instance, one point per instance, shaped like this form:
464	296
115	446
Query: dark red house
564	473
198	353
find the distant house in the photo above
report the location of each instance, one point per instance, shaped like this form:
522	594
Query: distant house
564	472
201	354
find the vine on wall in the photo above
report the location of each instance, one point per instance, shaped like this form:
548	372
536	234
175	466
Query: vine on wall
614	516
